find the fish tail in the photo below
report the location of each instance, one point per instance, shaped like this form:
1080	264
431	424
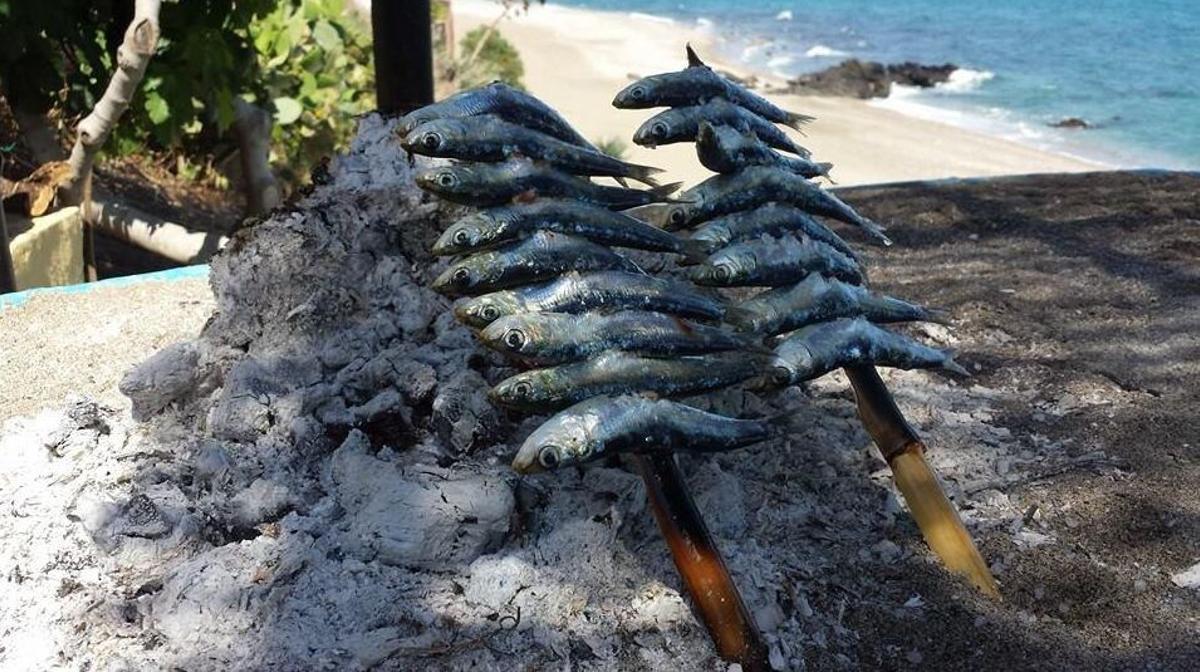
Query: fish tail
950	365
663	192
622	181
795	120
875	231
644	174
779	425
936	315
823	170
693	251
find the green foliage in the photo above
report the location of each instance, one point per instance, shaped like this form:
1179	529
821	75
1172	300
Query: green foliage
317	78
614	147
307	61
496	59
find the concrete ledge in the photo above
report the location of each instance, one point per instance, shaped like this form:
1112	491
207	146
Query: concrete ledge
47	251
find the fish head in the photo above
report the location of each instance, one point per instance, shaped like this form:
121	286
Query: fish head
527	335
480	311
446	180
563	440
433	138
466	234
706	134
666	216
793	363
463	276
532	391
638	95
657	130
415	118
724	268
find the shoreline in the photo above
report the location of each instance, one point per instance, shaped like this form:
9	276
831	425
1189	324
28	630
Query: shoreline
577	59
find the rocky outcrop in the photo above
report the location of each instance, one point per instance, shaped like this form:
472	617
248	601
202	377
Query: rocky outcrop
869	79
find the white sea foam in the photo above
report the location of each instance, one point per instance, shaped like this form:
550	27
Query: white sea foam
822	51
780	61
704	23
965	79
785	15
651	17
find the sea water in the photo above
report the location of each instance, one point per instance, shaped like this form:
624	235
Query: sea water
1130	68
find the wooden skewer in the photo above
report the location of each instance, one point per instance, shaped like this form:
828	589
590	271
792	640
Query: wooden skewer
905	454
701	566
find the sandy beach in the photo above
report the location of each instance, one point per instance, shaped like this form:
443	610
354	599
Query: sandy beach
577	59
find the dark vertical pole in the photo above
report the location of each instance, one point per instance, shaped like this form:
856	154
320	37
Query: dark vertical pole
701	566
8	277
403	41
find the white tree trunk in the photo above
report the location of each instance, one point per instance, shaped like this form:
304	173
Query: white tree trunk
133	56
252	126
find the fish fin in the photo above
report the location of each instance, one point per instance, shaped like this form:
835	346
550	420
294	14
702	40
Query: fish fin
622	181
950	365
693	59
643	174
825	167
741	318
682	324
694	251
527	196
795	120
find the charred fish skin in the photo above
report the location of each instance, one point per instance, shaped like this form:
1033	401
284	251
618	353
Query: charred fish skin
772	262
755	186
494	226
821	299
503	101
541	256
596	291
695	85
772	219
558	338
491	139
682	124
616	372
491	184
725	149
605	425
815	350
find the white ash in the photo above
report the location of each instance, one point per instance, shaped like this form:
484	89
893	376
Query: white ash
320	483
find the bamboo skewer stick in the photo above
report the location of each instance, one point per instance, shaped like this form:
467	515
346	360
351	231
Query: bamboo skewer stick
701	566
905	454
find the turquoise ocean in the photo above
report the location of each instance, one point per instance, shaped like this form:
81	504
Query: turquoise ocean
1131	68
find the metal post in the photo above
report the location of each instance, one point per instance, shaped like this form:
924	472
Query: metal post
403	44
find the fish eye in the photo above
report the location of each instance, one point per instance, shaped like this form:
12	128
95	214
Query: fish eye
431	140
522	389
489	312
461	275
548	457
462	237
659	128
722	272
447	179
781	376
514	339
677	216
637	93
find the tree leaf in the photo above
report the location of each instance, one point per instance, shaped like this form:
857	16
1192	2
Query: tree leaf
327	36
157	108
287	110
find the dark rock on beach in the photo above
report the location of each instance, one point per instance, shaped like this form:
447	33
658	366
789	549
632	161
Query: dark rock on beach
1072	122
868	79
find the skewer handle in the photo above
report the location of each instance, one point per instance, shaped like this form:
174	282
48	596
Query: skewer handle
700	564
905	453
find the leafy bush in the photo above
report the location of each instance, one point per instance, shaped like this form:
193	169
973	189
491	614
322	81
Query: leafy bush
306	60
495	59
